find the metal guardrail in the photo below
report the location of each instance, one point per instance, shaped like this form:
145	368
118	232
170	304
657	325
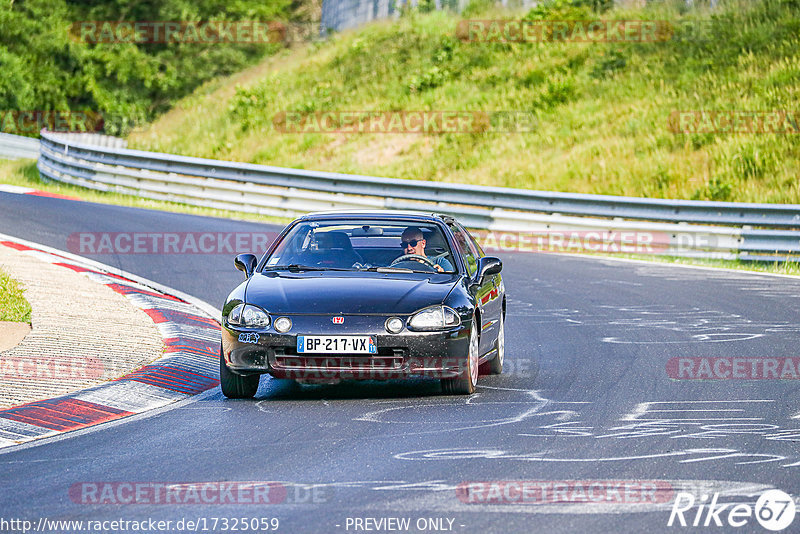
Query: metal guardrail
17	146
92	139
689	228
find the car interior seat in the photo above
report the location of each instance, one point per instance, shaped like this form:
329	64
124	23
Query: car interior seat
338	250
434	243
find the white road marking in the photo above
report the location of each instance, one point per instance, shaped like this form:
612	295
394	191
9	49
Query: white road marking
14	430
706	454
200	333
376	416
131	396
698	338
643	408
147	302
16	189
434	500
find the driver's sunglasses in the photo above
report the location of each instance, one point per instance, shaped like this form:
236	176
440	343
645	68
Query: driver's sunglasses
410	243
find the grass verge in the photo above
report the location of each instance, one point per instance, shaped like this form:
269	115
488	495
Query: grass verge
13	306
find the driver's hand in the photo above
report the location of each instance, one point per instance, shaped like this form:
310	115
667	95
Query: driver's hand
439	268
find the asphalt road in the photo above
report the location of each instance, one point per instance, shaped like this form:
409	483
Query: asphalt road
587	397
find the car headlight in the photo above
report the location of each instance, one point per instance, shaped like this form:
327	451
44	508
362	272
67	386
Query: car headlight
248	316
434	318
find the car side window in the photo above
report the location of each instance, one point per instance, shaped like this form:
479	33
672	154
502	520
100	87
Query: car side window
470	256
475	244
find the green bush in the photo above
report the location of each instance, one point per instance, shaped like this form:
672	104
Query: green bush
561	10
45	67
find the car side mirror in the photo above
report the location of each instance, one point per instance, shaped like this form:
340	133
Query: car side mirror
246	263
487	266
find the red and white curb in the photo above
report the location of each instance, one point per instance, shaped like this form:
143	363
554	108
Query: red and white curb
190	364
20	190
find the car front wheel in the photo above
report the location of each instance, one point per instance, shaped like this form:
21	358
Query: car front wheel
235	386
467	380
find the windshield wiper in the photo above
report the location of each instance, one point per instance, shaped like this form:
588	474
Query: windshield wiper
390	270
405	270
296	268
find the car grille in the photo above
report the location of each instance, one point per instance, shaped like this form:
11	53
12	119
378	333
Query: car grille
386	359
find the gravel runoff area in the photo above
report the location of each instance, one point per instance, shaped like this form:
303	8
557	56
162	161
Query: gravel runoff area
83	333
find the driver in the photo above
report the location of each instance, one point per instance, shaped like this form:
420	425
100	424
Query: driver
413	242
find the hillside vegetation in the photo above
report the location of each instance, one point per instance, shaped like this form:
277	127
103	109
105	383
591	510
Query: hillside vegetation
602	109
47	66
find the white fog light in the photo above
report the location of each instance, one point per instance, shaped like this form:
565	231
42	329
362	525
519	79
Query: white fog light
394	325
283	324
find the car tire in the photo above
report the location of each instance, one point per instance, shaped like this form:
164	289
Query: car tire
465	383
496	363
235	386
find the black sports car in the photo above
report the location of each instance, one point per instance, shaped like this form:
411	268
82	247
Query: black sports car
365	295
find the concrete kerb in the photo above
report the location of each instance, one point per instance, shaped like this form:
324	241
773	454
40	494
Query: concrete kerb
189	365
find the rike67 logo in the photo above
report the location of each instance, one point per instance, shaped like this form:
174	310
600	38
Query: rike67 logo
774	510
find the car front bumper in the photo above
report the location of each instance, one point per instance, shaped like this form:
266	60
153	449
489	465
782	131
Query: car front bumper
433	354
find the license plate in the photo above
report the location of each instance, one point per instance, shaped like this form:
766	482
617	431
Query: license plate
336	345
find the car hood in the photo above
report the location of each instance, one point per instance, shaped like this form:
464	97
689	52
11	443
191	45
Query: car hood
329	292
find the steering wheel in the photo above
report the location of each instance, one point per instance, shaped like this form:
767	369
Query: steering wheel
414	257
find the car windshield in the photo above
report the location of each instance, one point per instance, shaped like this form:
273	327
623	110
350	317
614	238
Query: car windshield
396	246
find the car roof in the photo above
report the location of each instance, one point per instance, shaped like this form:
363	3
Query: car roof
376	214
